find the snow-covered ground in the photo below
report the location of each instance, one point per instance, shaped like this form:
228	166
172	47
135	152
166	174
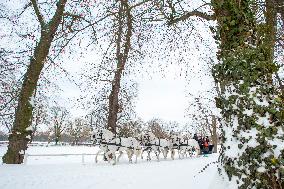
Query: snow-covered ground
69	172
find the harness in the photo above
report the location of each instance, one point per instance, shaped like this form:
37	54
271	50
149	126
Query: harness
149	144
184	144
159	142
119	145
176	145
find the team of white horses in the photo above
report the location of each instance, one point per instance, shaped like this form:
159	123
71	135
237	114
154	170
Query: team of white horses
109	144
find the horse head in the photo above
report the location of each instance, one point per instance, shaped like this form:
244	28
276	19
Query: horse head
139	137
97	135
107	135
174	138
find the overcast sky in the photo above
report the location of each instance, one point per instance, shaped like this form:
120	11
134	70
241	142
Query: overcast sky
162	97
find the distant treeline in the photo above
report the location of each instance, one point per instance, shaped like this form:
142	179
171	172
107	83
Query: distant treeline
42	137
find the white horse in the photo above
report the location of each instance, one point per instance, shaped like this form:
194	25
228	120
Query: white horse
102	137
183	145
152	143
188	146
193	146
130	145
176	143
110	144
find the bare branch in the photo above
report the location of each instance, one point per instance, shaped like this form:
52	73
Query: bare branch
190	14
138	4
57	16
38	14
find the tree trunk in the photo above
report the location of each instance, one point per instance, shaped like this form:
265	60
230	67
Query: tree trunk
20	136
121	56
251	106
214	133
56	140
113	98
57	134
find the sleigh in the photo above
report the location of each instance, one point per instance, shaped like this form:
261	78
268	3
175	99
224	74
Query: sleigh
207	150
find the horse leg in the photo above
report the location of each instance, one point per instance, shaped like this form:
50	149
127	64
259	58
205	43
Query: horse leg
130	154
137	153
199	151
120	154
161	151
185	152
165	152
190	153
182	151
107	156
179	155
149	156
157	152
96	158
142	151
114	158
173	154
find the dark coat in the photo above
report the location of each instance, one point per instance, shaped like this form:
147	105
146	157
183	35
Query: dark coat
195	137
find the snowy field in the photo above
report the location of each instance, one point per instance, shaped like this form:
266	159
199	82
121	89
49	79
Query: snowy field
62	172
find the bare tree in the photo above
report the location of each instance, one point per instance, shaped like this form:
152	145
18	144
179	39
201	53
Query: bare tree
78	130
157	127
131	128
59	121
53	32
18	139
118	59
40	112
123	43
204	120
9	89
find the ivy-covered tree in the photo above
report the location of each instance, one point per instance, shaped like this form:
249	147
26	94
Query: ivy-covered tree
251	105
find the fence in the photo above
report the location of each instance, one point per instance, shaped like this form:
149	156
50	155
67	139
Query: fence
36	143
51	144
46	155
